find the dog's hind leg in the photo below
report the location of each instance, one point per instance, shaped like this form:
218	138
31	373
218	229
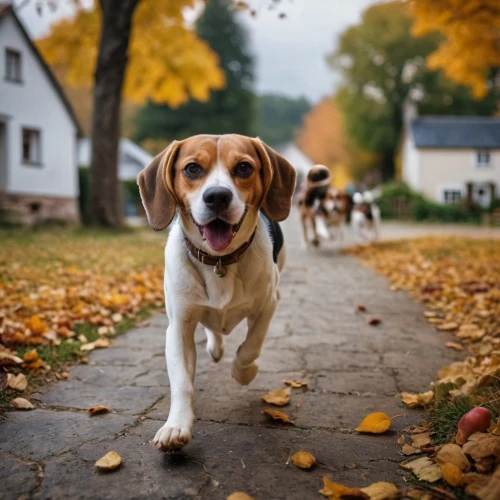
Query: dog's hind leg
244	366
215	344
181	364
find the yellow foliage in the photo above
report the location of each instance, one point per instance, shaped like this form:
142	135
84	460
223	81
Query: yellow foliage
472	38
168	63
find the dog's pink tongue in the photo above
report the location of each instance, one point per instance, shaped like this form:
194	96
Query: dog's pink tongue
218	234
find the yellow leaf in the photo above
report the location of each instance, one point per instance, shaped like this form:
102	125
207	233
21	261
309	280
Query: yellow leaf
31	356
452	474
381	491
95	410
455	345
452	453
374	423
414	400
17	382
296	384
278	415
21	404
239	495
303	459
278	397
110	461
336	491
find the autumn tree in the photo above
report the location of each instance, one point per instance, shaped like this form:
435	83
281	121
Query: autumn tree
136	48
469	54
381	65
228	110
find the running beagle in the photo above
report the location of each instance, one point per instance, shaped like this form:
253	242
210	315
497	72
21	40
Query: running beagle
223	256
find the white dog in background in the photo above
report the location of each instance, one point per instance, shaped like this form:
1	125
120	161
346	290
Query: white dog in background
365	217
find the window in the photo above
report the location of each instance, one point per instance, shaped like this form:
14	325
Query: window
31	146
483	158
451	196
12	65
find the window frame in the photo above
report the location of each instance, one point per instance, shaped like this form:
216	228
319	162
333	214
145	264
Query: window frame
38	161
18	78
454	200
482	164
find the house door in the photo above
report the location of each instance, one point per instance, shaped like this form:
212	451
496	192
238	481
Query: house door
481	194
3	155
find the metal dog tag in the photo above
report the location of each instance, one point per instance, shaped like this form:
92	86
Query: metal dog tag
220	270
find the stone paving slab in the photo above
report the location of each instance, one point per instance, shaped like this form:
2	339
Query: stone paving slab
317	336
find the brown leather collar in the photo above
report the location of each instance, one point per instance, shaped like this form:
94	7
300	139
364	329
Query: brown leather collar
221	262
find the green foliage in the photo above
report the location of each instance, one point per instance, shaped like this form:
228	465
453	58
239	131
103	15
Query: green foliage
381	64
231	110
279	117
422	209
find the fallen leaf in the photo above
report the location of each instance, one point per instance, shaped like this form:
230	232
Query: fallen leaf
361	308
117	317
483	449
31	356
448	327
17	382
496	430
490	491
410	450
110	461
278	415
452	474
83	339
381	491
336	491
475	482
374	423
430	314
239	495
87	347
424	469
414	400
303	459
21	404
421	439
3	380
95	410
278	397
101	343
455	345
102	330
295	384
452	453
7	357
374	321
401	440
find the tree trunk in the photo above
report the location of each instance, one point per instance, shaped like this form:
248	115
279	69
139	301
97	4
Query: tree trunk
104	208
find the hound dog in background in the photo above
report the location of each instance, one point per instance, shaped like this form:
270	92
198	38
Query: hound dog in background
313	199
223	256
334	213
365	217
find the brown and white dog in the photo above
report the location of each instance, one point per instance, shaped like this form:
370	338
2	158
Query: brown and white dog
223	256
334	213
312	200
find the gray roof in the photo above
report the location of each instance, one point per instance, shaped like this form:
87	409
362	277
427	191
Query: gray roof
456	132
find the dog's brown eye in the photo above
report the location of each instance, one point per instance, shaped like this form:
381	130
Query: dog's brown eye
193	170
243	169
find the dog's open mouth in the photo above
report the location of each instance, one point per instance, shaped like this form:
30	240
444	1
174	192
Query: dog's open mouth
219	233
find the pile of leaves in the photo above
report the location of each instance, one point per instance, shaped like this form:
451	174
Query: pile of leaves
59	289
458	280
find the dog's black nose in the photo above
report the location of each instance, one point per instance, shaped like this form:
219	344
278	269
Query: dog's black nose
217	198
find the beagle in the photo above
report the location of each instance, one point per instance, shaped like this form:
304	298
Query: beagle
335	213
223	256
365	217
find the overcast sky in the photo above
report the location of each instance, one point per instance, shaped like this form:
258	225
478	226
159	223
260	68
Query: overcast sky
290	52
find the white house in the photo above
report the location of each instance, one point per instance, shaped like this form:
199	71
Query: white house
449	158
131	157
38	133
293	154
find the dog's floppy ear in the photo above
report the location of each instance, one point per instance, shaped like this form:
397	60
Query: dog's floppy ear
279	182
156	188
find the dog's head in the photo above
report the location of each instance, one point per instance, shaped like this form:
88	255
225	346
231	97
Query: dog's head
219	183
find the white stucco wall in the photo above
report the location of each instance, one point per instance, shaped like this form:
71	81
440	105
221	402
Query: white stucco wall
410	160
35	104
453	168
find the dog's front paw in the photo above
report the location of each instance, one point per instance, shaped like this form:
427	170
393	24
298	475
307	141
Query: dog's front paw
244	374
172	438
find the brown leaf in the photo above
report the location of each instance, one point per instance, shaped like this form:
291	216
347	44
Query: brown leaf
21	404
31	356
3	380
278	397
424	469
483	449
492	489
239	495
401	440
374	423
17	382
374	321
448	327
410	450
496	430
336	491
414	400
455	345
452	453
452	474
96	410
303	459
278	415
361	308
421	439
295	384
7	359
110	461
381	491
